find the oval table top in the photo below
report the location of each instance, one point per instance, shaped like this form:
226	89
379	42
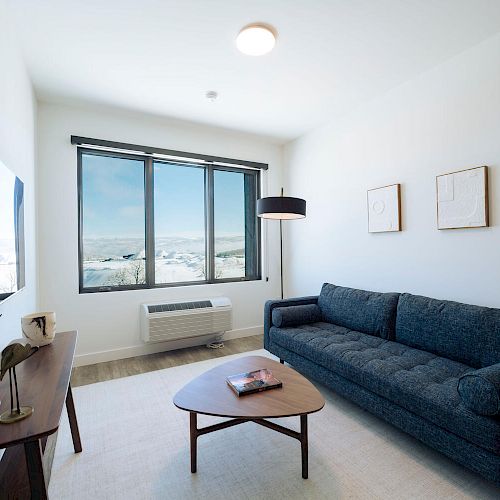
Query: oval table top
209	393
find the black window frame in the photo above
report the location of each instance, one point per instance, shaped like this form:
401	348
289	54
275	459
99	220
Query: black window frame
253	262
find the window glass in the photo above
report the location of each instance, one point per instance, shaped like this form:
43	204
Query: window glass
113	232
179	221
229	224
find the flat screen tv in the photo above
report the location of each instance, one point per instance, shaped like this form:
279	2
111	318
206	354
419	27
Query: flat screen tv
12	269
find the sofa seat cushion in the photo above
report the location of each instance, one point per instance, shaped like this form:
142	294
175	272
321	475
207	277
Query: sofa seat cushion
419	381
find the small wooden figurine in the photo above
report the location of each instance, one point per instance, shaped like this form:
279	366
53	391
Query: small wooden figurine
12	355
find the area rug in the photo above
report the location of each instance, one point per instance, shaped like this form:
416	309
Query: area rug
136	446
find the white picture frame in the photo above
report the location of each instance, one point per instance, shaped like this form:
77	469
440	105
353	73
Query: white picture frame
462	199
384	209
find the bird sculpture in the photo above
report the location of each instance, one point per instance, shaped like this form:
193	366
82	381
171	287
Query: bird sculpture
12	355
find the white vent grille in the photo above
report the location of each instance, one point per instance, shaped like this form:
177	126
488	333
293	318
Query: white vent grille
179	306
181	320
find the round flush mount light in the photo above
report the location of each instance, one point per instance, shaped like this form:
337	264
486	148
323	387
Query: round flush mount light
256	39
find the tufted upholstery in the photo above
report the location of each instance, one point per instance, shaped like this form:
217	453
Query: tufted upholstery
474	457
419	381
369	312
412	382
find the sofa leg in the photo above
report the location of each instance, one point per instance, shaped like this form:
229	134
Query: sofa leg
282	361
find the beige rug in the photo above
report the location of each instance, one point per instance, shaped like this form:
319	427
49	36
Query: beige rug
136	446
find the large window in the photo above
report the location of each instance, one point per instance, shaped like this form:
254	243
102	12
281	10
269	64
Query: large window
146	222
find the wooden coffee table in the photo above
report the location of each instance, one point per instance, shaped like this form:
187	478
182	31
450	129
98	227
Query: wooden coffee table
209	394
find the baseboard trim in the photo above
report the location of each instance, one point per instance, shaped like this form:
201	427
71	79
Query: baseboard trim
140	350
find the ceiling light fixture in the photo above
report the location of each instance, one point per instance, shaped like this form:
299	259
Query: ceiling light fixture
256	39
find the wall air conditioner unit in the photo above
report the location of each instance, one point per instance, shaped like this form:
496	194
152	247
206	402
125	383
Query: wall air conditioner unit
176	320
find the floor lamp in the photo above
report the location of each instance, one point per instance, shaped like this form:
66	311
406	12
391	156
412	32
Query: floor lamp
281	208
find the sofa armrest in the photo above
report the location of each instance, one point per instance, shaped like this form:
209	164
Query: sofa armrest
480	390
273	304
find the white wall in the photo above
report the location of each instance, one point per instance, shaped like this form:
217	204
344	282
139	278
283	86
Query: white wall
17	152
445	120
108	323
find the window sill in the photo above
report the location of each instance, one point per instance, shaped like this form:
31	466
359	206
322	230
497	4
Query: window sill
84	290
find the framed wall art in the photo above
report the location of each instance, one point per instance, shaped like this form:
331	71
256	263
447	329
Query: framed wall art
12	261
384	209
462	199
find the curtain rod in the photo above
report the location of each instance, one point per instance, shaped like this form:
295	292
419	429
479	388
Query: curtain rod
87	141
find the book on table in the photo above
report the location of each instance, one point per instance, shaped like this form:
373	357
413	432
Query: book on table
251	382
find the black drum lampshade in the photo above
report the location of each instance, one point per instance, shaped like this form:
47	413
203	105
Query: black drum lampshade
281	208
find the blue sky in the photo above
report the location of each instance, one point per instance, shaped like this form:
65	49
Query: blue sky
113	194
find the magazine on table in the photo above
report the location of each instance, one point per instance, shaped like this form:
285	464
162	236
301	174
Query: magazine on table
251	382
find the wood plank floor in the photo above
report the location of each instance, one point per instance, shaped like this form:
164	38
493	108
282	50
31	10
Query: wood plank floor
83	375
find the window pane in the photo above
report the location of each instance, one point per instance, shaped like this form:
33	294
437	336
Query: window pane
113	221
179	215
229	224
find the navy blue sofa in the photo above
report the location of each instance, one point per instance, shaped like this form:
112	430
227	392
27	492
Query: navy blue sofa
428	366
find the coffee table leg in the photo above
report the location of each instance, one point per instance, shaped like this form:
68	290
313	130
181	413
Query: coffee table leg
194	433
193	429
304	446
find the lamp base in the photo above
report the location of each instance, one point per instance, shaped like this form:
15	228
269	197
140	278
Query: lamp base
9	417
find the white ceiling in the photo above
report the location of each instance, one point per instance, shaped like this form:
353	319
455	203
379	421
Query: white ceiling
161	56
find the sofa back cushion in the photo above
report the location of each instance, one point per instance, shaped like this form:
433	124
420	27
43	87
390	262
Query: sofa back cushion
373	313
462	332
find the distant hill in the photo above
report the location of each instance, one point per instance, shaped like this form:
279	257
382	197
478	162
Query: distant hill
239	252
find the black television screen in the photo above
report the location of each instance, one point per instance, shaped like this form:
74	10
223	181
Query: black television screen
11	233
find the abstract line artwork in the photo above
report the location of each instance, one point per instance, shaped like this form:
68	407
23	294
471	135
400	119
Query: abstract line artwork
384	209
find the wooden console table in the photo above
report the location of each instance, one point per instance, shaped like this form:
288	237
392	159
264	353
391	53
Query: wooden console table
43	384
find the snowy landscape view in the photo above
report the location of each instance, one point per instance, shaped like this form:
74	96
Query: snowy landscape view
114	216
8	276
121	261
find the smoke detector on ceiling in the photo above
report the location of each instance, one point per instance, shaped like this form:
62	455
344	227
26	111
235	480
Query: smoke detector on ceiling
212	95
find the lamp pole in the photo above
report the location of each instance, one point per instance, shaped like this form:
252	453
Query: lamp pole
281	208
281	251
